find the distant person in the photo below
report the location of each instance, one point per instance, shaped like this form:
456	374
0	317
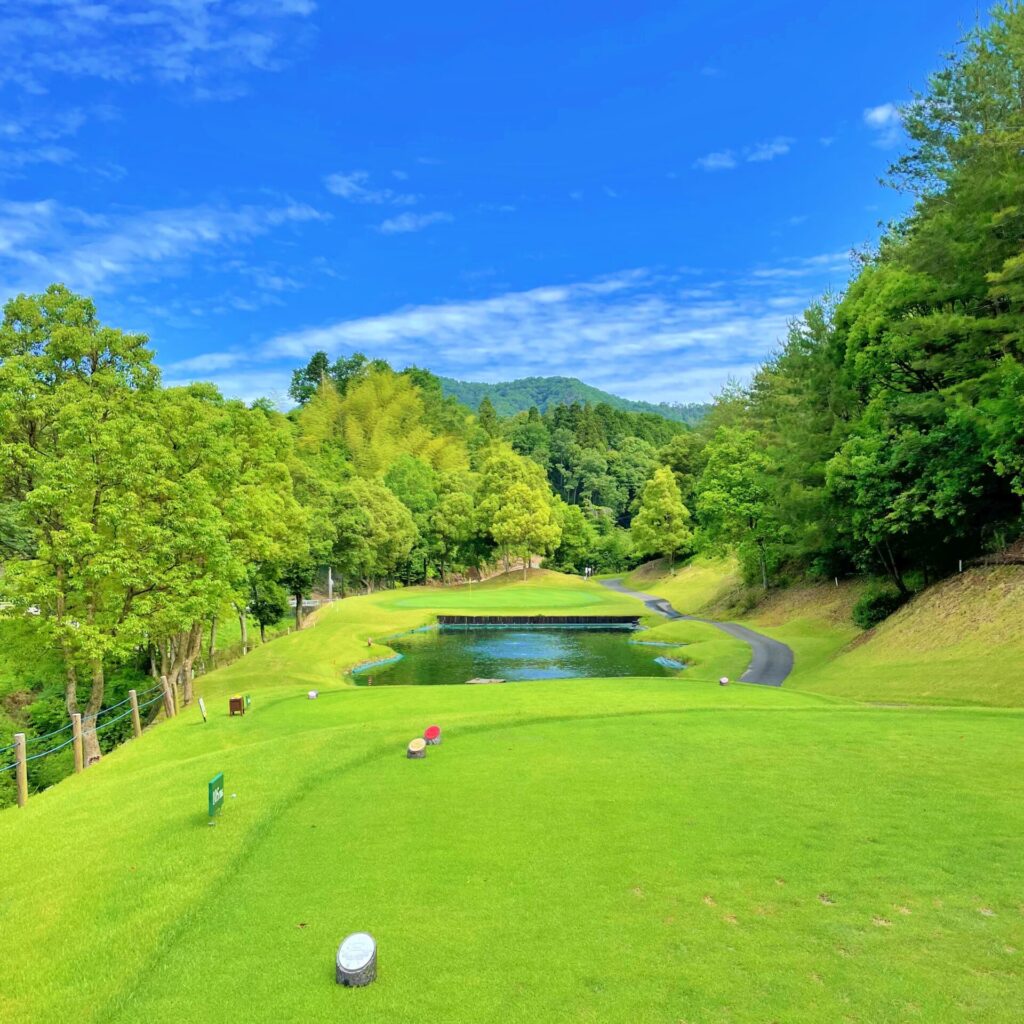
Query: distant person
369	641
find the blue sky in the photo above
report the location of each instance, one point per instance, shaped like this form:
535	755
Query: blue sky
636	194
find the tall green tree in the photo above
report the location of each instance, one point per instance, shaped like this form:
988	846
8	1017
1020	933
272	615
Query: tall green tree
662	525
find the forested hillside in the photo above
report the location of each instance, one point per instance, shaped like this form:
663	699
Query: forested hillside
510	397
887	434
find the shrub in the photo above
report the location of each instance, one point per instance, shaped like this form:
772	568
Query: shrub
876	606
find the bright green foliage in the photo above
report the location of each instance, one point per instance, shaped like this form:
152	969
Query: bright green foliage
578	541
734	498
662	526
375	531
383	417
525	523
487	418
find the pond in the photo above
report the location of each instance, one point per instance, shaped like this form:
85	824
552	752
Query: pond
455	655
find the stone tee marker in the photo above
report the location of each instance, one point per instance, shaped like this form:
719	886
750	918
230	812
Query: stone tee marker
417	748
356	963
432	734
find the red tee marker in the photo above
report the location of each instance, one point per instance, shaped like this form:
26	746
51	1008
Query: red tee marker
432	734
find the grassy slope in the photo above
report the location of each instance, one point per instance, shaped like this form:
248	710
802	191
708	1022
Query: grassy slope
961	641
760	854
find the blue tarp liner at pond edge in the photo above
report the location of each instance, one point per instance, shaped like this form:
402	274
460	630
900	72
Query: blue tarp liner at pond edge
669	662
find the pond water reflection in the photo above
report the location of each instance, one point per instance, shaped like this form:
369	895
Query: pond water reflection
455	655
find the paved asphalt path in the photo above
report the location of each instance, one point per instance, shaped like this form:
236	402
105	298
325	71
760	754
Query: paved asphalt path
771	661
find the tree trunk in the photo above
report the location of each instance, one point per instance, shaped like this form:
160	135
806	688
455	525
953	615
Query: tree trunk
526	563
90	740
192	648
213	637
764	564
244	626
330	584
889	563
298	611
263	633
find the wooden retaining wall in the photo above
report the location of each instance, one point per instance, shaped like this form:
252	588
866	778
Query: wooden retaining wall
538	620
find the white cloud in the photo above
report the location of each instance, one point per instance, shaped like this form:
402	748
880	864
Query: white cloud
725	160
203	44
761	152
828	263
407	222
886	122
42	241
352	186
764	151
685	341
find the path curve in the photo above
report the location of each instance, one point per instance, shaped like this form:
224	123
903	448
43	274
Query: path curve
771	661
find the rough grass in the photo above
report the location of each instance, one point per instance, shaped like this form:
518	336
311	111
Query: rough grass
692	588
628	850
961	641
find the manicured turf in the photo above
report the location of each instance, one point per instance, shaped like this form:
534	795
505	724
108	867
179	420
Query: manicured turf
595	850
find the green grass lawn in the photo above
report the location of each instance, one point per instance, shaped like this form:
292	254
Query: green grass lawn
628	850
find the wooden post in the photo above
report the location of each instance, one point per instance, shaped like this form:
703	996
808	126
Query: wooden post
76	742
136	721
21	771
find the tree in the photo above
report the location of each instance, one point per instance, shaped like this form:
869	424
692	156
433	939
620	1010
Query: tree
487	417
662	525
578	540
306	381
382	417
452	525
268	600
733	496
525	523
76	436
375	531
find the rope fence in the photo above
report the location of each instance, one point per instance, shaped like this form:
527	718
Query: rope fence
80	727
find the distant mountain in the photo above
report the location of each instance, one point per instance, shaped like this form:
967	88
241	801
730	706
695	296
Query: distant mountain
518	395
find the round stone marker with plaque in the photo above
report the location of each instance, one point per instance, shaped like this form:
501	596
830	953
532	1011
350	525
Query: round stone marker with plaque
417	748
356	963
432	734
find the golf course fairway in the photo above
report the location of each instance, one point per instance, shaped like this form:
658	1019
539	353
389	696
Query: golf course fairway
606	850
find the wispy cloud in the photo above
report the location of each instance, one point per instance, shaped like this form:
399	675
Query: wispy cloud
831	264
601	330
764	151
44	241
760	152
407	222
886	122
724	160
353	187
206	45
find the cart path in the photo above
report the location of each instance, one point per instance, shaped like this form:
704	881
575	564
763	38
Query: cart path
771	661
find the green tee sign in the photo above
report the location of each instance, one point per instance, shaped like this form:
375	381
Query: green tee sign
216	793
